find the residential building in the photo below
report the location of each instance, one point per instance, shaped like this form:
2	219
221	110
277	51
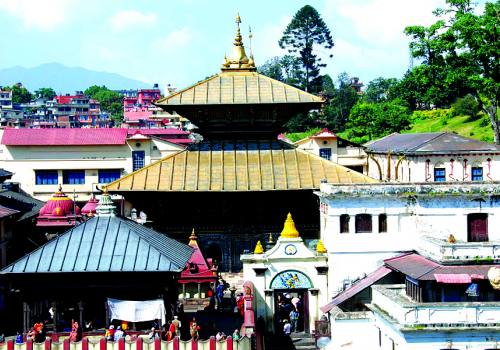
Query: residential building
79	158
436	299
328	145
432	157
5	99
140	107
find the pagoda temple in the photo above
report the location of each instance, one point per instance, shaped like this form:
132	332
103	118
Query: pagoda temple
232	185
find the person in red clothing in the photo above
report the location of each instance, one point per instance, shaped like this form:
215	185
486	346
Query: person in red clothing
171	331
240	304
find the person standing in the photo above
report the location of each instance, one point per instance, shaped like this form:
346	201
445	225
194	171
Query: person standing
193	329
177	324
294	318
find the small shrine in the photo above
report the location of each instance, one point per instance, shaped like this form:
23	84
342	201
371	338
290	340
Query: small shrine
288	276
89	209
59	211
199	275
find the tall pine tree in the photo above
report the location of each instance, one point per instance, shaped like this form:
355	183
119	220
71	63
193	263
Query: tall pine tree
306	29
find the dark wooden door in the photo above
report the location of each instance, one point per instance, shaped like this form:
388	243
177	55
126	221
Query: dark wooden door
477	227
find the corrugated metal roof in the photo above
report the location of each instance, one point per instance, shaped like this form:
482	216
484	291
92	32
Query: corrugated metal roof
238	169
228	88
106	244
434	142
412	265
64	137
366	282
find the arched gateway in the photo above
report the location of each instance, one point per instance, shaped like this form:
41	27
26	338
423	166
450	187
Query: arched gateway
287	277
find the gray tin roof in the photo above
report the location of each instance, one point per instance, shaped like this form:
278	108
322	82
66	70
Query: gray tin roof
106	244
429	143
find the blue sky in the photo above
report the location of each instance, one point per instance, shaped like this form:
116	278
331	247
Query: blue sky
180	42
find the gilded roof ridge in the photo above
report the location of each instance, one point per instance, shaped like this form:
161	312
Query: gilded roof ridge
144	168
186	89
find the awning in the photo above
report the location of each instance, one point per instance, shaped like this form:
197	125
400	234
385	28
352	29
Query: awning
453	278
366	282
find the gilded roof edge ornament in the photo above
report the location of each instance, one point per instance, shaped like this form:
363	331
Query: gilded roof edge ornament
289	229
238	60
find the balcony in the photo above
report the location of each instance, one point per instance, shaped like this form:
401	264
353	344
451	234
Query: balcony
459	252
391	303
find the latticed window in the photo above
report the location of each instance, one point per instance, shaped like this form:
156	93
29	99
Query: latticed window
138	158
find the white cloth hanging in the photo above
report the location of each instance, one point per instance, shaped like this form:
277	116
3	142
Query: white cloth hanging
137	311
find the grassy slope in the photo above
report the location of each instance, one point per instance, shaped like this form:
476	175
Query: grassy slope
433	121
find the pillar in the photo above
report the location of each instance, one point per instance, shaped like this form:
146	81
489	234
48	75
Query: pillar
352	223
184	291
199	290
375	223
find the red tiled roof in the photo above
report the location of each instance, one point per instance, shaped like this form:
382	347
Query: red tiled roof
366	282
412	265
4	211
158	131
64	137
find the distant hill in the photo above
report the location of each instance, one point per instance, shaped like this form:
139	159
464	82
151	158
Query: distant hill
64	79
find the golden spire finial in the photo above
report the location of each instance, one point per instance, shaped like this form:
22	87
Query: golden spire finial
238	60
258	248
320	247
289	229
59	189
193	238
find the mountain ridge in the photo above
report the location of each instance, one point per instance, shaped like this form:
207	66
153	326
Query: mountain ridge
65	79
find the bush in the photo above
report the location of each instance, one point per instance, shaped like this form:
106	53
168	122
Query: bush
465	106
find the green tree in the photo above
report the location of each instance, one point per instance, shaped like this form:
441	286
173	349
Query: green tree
306	29
380	89
45	93
369	120
286	69
340	101
20	94
461	51
111	101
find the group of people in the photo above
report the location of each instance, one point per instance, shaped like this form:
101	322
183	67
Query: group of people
220	336
290	313
168	331
113	334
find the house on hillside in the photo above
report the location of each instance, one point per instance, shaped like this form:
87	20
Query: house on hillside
432	157
328	145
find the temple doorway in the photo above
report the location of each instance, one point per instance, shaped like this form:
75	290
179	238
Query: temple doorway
214	252
285	302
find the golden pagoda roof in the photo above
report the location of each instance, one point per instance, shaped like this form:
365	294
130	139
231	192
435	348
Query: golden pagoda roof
238	87
238	170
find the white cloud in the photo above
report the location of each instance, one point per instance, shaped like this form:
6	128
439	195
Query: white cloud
175	39
43	15
124	20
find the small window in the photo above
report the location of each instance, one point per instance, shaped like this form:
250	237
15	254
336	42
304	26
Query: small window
382	223
325	153
138	158
344	223
439	174
46	177
477	173
363	223
73	177
109	175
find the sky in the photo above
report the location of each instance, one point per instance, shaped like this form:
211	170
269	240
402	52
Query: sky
180	42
